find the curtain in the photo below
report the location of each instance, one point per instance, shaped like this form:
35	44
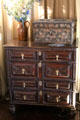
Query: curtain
2	70
78	44
50	9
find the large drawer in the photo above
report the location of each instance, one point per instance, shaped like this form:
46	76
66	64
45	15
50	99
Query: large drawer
22	55
63	98
57	70
62	85
23	84
27	69
59	55
26	96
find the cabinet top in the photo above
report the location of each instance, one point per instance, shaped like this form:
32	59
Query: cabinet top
36	45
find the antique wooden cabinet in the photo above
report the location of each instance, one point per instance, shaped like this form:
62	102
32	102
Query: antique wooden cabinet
41	75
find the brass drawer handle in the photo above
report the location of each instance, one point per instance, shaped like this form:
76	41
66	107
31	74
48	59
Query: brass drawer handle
57	72
39	53
24	84
69	86
23	71
40	93
57	86
22	56
57	99
39	64
24	97
57	57
40	83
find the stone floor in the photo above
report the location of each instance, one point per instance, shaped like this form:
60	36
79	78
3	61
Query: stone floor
36	113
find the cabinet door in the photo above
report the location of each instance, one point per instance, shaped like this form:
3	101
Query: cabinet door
57	70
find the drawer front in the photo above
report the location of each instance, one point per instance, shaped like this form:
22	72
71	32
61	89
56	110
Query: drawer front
57	98
22	55
26	96
24	84
58	55
27	69
57	70
57	85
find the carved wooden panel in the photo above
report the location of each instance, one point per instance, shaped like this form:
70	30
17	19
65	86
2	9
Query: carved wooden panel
57	85
22	55
56	98
59	56
57	70
24	84
26	96
25	69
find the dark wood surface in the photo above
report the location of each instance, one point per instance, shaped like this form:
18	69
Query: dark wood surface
37	113
40	74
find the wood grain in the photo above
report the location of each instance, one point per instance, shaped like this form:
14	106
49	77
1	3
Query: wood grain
71	9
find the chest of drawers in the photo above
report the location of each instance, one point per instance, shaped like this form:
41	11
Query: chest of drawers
41	75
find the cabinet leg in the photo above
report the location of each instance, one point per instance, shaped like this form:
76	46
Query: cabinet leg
12	109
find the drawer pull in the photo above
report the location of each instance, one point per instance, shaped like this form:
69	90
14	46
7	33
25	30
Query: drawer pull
69	86
40	83
22	56
39	64
24	97
57	99
57	57
57	86
23	71
39	53
57	72
24	84
40	93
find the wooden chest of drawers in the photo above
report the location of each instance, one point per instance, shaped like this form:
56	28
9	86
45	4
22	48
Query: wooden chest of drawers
41	75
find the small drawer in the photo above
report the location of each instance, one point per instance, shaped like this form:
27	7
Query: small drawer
58	56
25	96
57	85
57	70
28	69
23	55
24	84
57	97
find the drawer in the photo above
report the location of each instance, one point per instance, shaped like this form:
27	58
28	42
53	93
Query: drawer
24	84
57	70
58	55
22	55
26	96
57	97
57	85
27	69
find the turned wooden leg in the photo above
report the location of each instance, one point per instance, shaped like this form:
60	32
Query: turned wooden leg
12	109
